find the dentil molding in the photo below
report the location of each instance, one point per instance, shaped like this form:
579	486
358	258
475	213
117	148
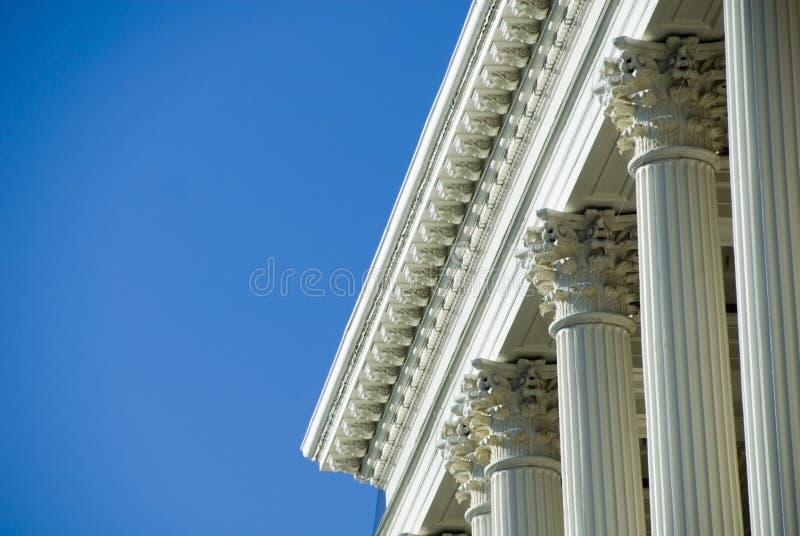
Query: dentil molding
440	250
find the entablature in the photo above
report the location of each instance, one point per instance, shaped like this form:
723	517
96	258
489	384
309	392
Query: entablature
456	190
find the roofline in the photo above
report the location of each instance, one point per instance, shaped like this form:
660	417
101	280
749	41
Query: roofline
398	222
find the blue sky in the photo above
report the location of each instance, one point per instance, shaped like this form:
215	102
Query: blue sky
152	156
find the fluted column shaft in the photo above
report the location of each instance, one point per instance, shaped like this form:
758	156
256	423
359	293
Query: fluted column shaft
585	268
480	519
526	497
694	485
763	49
479	515
515	410
600	459
668	101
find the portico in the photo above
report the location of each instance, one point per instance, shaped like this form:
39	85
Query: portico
588	319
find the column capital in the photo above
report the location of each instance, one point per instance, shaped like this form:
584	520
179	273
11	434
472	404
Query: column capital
664	95
585	265
517	403
465	458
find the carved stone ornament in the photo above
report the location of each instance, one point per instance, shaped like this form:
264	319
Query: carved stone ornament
535	9
484	123
515	30
351	447
420	275
358	429
365	411
491	100
374	393
463	454
521	30
400	335
501	77
404	315
378	373
344	464
463	168
510	54
389	354
447	212
455	190
584	263
517	405
473	145
669	94
411	295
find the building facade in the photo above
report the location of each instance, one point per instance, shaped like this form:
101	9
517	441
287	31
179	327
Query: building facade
584	315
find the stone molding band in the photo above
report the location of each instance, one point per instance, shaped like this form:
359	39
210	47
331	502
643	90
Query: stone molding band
478	510
673	153
594	317
541	462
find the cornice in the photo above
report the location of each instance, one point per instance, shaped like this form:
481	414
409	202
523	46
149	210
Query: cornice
479	147
388	265
460	269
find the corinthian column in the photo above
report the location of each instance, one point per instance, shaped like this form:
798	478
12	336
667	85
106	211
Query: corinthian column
668	101
517	404
465	459
586	269
763	48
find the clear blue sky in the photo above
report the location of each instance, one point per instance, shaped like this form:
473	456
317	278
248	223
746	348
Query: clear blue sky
152	155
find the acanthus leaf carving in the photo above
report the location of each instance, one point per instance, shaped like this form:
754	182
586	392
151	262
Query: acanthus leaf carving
519	405
374	392
463	168
583	263
412	295
433	255
464	457
535	9
379	462
350	447
378	373
358	429
473	145
438	234
521	30
666	94
404	315
483	123
512	54
424	275
491	100
365	411
389	354
447	211
344	464
393	334
455	190
501	77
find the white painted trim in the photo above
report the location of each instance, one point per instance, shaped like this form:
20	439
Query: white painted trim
397	226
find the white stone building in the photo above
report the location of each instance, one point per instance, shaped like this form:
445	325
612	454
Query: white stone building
585	315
